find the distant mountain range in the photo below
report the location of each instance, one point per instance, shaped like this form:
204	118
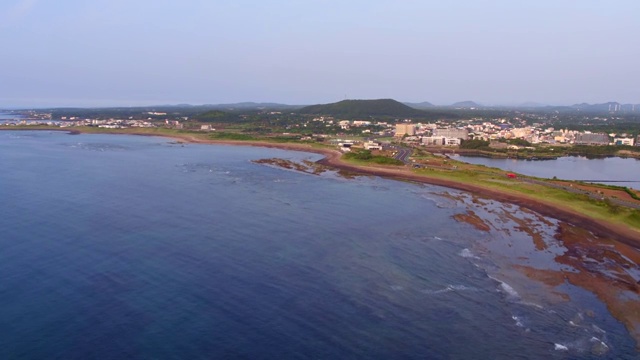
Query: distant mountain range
390	107
596	108
360	108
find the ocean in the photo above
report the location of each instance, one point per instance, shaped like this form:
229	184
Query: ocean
122	247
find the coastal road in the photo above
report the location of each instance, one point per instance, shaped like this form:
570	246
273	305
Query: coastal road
403	154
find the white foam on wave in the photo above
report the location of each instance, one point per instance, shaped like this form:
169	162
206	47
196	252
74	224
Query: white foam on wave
597	329
507	289
598	341
510	291
466	253
598	347
450	288
518	321
592	345
528	303
560	347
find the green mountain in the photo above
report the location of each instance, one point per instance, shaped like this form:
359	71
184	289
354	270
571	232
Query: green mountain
364	108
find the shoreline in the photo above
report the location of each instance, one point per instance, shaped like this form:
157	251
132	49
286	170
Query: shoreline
601	252
618	232
332	159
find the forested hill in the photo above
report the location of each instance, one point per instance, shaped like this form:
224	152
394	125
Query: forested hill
364	108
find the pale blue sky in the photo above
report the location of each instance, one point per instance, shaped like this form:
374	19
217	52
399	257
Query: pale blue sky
141	52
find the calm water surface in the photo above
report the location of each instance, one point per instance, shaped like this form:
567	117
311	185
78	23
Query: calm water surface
117	247
7	116
570	168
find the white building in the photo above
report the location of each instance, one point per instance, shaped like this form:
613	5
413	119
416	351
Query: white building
624	141
452	133
372	145
440	141
344	124
361	123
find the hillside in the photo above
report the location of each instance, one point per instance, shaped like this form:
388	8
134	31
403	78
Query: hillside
363	108
420	105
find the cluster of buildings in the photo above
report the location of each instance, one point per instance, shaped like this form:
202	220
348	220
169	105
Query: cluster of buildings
447	134
108	124
434	134
352	124
440	133
28	122
111	123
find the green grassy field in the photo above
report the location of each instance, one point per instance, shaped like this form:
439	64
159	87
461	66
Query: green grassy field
581	203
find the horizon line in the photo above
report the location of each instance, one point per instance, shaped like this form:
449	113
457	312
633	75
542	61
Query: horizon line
180	103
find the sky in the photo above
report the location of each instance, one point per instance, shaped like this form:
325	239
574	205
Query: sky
151	52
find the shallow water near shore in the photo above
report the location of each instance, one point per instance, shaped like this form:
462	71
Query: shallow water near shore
137	247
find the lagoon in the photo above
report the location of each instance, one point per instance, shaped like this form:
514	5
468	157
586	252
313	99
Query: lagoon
606	171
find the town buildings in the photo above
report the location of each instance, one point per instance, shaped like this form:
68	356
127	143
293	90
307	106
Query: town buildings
405	129
591	139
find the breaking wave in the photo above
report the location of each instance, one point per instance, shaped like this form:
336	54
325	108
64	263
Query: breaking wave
466	253
450	288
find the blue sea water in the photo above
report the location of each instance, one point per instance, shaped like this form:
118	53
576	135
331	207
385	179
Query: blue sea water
115	247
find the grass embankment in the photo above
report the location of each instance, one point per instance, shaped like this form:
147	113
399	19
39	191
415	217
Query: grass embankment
632	193
364	157
494	179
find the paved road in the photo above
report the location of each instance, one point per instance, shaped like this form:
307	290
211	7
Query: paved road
403	154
